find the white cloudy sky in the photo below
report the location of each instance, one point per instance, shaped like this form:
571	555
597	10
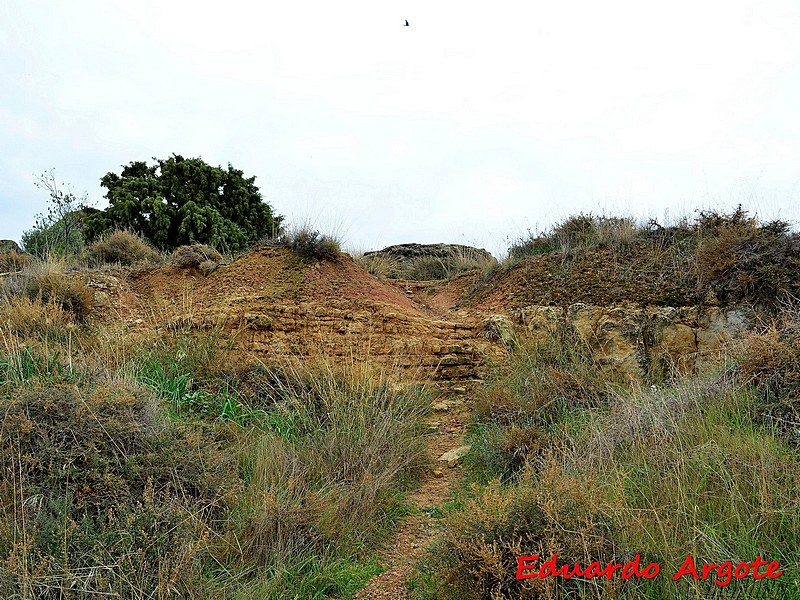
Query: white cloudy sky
478	121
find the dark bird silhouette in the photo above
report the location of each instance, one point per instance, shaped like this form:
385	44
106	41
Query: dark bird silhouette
406	25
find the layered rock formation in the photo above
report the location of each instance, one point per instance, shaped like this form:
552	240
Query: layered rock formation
635	340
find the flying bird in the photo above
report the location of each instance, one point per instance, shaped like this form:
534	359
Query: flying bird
406	25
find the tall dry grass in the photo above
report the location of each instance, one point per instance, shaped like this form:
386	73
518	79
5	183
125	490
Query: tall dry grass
323	470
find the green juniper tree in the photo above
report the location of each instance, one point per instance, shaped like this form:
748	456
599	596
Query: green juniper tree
178	201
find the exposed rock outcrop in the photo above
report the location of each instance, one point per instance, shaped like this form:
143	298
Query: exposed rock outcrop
404	253
635	340
273	306
9	246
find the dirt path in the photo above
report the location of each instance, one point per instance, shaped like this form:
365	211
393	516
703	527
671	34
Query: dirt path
419	528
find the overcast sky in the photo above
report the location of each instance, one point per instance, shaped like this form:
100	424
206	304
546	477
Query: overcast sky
478	121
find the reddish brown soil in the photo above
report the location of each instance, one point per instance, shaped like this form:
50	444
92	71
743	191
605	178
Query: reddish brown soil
273	274
603	276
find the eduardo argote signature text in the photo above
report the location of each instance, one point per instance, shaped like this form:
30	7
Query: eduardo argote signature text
722	573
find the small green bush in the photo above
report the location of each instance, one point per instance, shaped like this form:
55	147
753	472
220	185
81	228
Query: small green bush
120	247
105	484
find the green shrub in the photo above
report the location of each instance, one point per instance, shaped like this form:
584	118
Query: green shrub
178	201
99	494
120	247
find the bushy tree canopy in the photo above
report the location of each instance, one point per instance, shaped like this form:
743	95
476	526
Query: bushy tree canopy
177	201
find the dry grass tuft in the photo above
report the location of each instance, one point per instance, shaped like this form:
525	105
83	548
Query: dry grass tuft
69	293
544	514
123	248
771	362
195	256
14	261
456	262
383	267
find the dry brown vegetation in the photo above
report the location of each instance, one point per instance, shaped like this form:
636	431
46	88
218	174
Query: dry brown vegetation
427	268
121	248
53	286
14	261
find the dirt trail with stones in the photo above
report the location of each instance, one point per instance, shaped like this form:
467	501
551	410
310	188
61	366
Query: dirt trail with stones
420	527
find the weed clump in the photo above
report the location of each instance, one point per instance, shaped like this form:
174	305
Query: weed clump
579	232
742	260
426	262
30	320
14	261
121	247
771	362
196	256
71	294
333	450
542	383
540	515
383	267
309	244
